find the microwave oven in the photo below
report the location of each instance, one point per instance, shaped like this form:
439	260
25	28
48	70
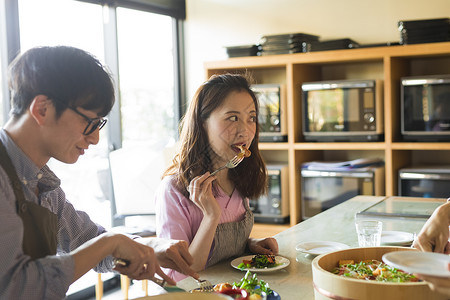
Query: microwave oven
272	117
274	206
323	189
343	111
424	181
425	108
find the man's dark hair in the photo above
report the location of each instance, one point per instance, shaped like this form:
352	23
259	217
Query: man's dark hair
70	77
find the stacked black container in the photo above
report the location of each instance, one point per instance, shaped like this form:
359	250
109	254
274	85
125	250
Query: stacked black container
245	50
285	43
330	45
424	31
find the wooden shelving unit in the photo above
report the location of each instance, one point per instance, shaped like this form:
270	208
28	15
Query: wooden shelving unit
386	63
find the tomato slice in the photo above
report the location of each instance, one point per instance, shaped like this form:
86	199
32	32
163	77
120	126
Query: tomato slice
235	293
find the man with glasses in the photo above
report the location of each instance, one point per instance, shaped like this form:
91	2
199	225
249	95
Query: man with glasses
92	124
60	96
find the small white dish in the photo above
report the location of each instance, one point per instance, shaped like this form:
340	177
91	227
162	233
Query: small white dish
282	262
426	263
320	247
396	238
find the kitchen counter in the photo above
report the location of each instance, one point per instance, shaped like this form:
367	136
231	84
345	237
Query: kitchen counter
335	224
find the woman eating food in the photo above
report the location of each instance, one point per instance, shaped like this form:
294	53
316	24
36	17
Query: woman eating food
212	213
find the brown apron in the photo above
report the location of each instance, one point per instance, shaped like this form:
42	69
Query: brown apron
40	225
231	238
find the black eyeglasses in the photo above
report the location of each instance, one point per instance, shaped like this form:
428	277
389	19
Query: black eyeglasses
93	124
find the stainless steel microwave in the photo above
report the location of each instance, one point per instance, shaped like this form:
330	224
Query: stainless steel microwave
323	189
272	117
273	207
425	108
343	111
424	181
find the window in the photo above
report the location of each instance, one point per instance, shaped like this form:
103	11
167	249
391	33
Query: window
146	78
148	113
90	171
147	109
62	28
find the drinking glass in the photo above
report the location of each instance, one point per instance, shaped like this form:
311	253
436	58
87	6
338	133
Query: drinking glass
369	232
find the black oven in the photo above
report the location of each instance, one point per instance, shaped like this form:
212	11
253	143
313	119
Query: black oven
273	207
425	107
323	189
272	117
425	182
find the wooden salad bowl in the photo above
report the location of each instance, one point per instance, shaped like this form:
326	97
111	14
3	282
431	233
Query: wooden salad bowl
331	286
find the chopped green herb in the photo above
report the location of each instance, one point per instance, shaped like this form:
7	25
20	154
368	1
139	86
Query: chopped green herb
374	270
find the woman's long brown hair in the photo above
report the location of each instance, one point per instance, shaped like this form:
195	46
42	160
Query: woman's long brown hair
194	156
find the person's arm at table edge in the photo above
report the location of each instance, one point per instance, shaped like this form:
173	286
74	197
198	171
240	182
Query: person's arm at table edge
434	234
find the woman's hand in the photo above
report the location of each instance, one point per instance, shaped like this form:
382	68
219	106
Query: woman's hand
200	189
438	284
263	246
435	233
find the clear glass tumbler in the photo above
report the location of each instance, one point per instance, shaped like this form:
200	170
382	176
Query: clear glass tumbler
369	232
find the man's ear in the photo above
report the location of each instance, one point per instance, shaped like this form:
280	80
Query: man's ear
39	108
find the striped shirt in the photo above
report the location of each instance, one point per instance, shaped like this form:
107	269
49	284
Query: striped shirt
49	277
179	218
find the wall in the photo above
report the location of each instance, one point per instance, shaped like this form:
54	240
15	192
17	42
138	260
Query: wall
212	25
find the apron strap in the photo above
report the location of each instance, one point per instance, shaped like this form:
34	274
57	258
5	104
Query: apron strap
7	165
230	239
40	225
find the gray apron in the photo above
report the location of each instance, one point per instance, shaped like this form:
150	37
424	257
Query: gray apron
40	225
231	238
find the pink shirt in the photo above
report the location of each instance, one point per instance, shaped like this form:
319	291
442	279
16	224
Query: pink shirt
179	218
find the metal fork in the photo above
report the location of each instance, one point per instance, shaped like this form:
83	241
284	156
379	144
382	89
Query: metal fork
232	163
205	285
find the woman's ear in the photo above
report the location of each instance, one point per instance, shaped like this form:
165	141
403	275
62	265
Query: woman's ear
39	108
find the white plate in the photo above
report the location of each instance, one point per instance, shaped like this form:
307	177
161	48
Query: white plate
320	247
280	260
396	238
426	263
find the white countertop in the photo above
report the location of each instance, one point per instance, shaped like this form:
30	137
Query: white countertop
335	224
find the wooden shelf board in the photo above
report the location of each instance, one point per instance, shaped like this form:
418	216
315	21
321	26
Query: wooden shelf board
273	61
273	146
420	146
332	56
341	146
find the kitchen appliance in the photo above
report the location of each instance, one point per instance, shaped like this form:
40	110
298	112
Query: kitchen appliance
424	181
273	207
425	108
272	112
343	111
323	189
